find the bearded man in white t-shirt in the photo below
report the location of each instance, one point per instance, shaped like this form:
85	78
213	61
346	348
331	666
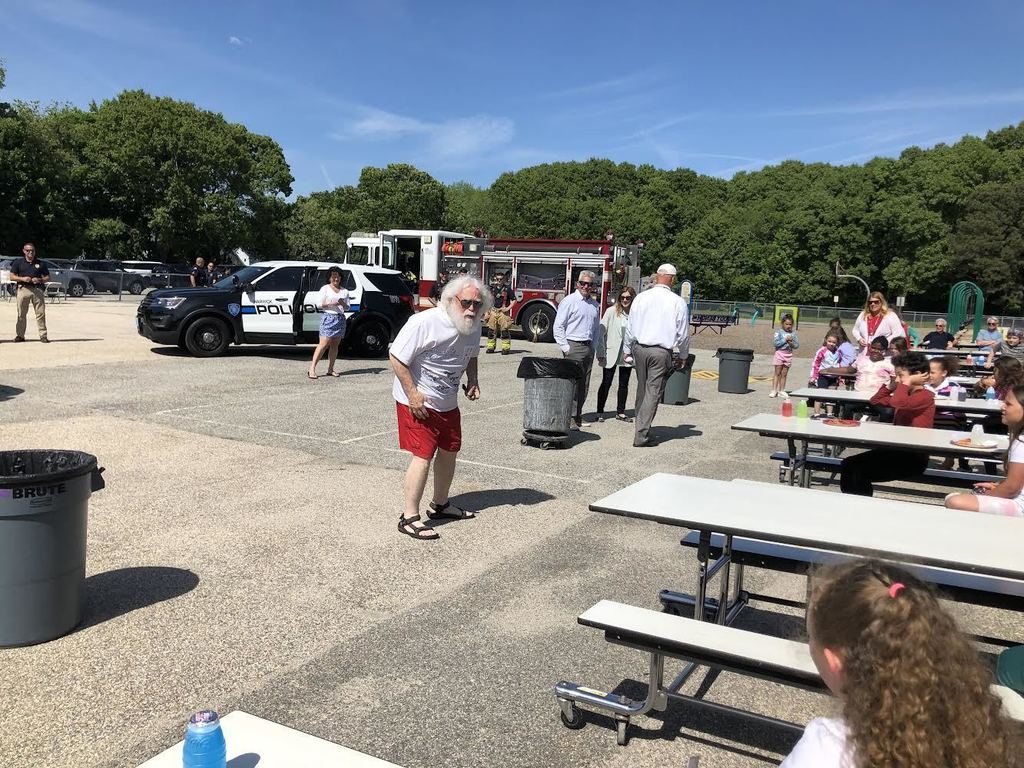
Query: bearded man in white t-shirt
430	355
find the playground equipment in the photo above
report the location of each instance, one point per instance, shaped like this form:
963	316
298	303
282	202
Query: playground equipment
965	300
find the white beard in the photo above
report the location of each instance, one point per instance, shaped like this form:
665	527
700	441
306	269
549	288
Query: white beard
464	325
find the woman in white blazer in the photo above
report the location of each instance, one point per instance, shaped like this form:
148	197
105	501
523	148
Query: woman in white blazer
609	353
876	320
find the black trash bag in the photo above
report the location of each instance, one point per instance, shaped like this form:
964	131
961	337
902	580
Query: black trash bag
736	353
548	368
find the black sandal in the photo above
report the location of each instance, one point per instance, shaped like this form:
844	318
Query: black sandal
407	525
435	511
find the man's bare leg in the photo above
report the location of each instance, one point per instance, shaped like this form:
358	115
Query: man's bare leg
415	482
444	473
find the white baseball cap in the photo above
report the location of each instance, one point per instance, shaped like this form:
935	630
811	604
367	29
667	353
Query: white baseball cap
667	269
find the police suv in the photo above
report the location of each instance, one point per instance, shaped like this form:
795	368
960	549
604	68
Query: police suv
274	302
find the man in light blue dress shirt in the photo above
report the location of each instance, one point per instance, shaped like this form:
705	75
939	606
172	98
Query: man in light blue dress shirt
576	328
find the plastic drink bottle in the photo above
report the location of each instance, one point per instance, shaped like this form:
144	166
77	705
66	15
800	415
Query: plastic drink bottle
787	407
801	409
204	742
990	393
954	392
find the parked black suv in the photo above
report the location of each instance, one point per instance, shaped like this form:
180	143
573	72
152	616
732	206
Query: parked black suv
171	276
274	302
109	275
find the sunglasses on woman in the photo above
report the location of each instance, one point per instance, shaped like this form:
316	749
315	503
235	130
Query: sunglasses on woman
625	297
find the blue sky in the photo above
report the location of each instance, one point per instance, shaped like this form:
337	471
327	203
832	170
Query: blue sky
468	90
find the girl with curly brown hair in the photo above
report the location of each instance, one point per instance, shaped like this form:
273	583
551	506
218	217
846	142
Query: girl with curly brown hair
914	692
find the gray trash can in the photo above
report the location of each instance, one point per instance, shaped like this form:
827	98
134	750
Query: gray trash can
677	388
44	502
734	370
550	389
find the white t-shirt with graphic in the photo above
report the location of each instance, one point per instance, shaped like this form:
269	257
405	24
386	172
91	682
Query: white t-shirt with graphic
823	745
327	294
437	356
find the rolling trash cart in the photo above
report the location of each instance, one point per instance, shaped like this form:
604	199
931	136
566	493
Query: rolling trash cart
677	388
549	391
44	505
734	370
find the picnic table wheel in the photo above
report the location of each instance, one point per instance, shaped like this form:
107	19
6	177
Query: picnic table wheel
574	721
622	731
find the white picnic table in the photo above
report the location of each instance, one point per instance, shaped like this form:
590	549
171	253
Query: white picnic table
868	434
970	405
893	530
253	742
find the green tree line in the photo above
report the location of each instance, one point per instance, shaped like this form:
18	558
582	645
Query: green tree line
139	176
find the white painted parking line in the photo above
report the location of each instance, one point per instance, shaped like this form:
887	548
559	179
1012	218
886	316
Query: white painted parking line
500	467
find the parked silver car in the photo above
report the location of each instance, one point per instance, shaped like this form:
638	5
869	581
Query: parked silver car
75	283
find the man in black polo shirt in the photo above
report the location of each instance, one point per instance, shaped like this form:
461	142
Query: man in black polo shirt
200	275
31	277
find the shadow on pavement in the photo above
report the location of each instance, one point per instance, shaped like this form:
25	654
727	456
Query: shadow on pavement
6	393
248	760
478	501
123	590
664	434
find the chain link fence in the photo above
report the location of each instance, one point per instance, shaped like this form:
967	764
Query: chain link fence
820	314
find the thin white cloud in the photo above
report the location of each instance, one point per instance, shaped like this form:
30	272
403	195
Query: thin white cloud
448	140
877	142
327	177
232	40
908	103
603	86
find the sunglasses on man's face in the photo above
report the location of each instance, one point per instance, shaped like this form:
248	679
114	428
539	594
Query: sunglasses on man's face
474	303
585	283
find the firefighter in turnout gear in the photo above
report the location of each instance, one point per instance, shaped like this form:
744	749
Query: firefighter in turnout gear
499	319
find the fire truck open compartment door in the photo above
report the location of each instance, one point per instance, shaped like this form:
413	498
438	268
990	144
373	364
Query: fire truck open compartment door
388	251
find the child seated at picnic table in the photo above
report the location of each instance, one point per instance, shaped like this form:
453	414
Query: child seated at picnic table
872	368
913	406
913	690
1008	347
827	356
1007	497
939	383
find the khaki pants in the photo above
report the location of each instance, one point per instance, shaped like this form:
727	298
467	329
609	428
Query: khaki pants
33	296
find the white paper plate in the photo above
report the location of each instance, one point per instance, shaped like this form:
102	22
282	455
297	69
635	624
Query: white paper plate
982	444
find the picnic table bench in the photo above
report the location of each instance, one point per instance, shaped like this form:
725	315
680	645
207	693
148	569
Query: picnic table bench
720	647
717	322
975	546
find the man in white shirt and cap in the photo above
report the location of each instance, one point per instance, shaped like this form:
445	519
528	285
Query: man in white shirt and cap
657	340
577	324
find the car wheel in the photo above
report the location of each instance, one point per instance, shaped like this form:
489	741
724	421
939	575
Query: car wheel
76	288
538	323
371	338
135	287
207	337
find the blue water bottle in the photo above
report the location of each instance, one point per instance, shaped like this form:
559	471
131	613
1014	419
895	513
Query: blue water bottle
204	742
990	393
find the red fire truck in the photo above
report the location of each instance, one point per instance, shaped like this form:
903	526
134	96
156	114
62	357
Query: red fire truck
540	272
543	272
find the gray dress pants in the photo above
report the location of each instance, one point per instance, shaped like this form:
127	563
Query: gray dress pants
582	353
653	366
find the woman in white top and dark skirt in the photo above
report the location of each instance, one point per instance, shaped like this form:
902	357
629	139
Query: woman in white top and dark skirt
332	301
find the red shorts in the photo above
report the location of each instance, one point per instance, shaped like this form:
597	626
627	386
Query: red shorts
423	438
